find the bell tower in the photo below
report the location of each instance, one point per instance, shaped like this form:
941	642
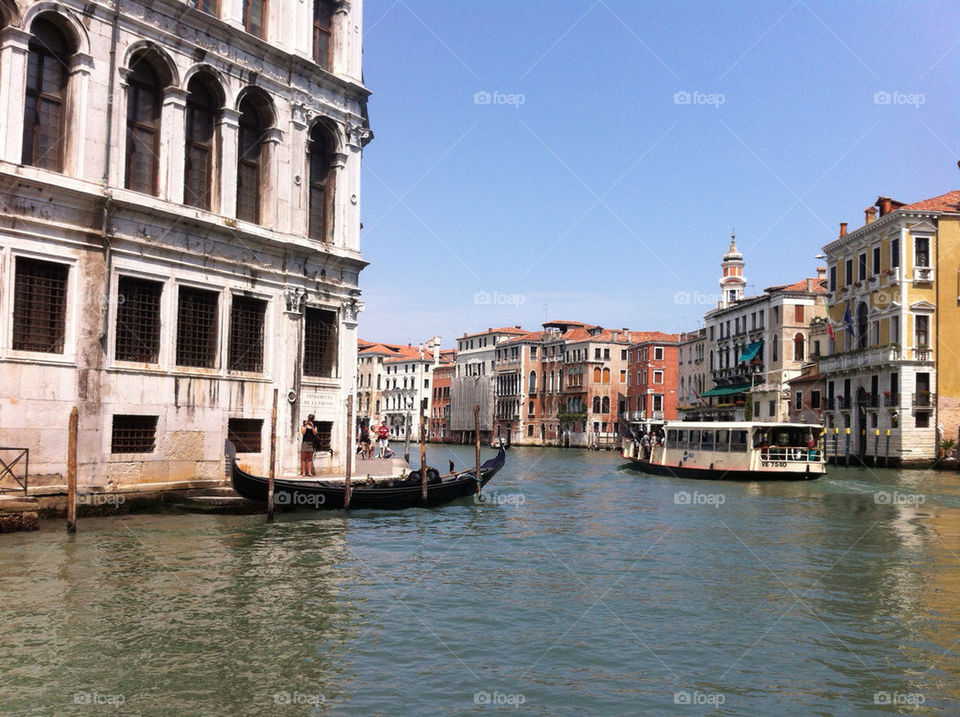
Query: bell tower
732	282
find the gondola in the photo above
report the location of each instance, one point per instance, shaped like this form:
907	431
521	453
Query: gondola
390	494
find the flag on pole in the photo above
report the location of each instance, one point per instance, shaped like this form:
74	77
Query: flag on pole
830	331
848	320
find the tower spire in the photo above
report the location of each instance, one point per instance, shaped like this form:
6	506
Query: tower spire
732	282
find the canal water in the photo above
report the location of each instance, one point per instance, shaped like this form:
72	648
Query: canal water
575	587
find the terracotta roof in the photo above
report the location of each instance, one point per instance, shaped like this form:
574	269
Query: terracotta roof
528	336
640	337
949	202
502	330
374	349
806	378
819	286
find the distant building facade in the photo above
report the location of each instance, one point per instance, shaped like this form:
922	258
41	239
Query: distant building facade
652	379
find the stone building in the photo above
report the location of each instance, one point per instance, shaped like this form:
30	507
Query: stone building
407	398
893	306
754	345
179	236
473	382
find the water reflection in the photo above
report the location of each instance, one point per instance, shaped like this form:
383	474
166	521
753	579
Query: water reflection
599	592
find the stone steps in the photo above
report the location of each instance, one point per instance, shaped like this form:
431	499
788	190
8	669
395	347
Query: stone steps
18	512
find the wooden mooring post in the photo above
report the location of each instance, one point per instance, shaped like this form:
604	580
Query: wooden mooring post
423	452
348	458
476	433
273	458
72	470
406	448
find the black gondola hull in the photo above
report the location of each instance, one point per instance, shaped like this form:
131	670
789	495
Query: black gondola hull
315	495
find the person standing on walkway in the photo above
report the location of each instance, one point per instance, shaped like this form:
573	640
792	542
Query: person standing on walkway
308	432
382	433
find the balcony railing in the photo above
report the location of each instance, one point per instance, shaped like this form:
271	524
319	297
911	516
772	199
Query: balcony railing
924	399
878	356
891	400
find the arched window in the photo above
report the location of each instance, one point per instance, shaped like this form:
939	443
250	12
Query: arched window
45	107
320	201
202	106
863	339
250	159
605	405
798	347
606	375
596	404
144	99
597	376
533	382
322	29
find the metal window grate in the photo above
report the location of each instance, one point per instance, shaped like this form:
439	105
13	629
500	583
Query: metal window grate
138	320
133	434
324	435
197	328
246	434
246	334
40	306
319	343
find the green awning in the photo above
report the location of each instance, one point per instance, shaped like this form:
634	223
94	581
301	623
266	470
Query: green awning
726	390
750	352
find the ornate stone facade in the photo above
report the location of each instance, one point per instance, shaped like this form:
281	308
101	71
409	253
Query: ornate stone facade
173	319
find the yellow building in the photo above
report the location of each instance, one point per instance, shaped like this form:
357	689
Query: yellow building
894	304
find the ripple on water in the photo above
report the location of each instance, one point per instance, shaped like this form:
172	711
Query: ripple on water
597	593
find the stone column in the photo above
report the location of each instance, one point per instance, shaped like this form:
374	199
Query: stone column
173	137
346	40
78	108
14	45
229	127
269	176
294	219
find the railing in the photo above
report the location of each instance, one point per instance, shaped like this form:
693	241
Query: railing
872	400
866	357
924	399
791	455
7	466
891	400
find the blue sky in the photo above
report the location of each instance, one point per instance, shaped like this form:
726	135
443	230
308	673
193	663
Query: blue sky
587	188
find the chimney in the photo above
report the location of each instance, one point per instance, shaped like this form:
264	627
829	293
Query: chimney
821	272
843	229
869	215
884	204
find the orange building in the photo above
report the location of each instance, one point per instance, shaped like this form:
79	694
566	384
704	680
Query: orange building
652	378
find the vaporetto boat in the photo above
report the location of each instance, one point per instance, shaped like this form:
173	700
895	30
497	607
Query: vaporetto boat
730	450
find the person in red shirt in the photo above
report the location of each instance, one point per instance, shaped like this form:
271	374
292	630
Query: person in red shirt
382	433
